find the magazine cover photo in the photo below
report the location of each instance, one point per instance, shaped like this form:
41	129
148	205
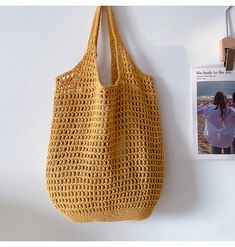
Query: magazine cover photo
215	115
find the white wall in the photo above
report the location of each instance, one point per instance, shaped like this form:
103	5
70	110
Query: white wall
36	44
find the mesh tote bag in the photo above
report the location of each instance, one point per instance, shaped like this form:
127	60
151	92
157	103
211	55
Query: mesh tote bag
105	155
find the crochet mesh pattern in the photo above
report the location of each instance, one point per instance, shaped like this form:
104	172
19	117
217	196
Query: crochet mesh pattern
105	154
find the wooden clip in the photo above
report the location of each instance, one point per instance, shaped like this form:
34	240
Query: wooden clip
229	59
227	46
227	53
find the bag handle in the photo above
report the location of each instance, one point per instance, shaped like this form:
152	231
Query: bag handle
112	27
115	40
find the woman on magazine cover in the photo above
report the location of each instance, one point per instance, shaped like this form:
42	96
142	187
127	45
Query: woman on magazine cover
220	123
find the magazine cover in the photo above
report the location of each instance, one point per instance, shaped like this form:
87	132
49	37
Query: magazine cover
214	112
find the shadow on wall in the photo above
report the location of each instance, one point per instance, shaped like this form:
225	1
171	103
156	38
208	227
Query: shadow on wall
25	224
179	195
231	27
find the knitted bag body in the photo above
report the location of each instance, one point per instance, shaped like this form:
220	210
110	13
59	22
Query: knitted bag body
105	157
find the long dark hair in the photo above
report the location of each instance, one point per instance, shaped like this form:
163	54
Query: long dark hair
220	101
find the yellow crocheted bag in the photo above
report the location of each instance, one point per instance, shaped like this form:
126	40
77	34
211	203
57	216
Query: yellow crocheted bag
105	155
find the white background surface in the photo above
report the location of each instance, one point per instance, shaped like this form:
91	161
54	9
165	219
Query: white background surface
36	44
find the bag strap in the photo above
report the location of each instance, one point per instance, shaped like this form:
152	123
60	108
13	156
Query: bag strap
112	26
115	40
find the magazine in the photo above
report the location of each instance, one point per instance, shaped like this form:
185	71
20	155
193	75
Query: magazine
214	112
